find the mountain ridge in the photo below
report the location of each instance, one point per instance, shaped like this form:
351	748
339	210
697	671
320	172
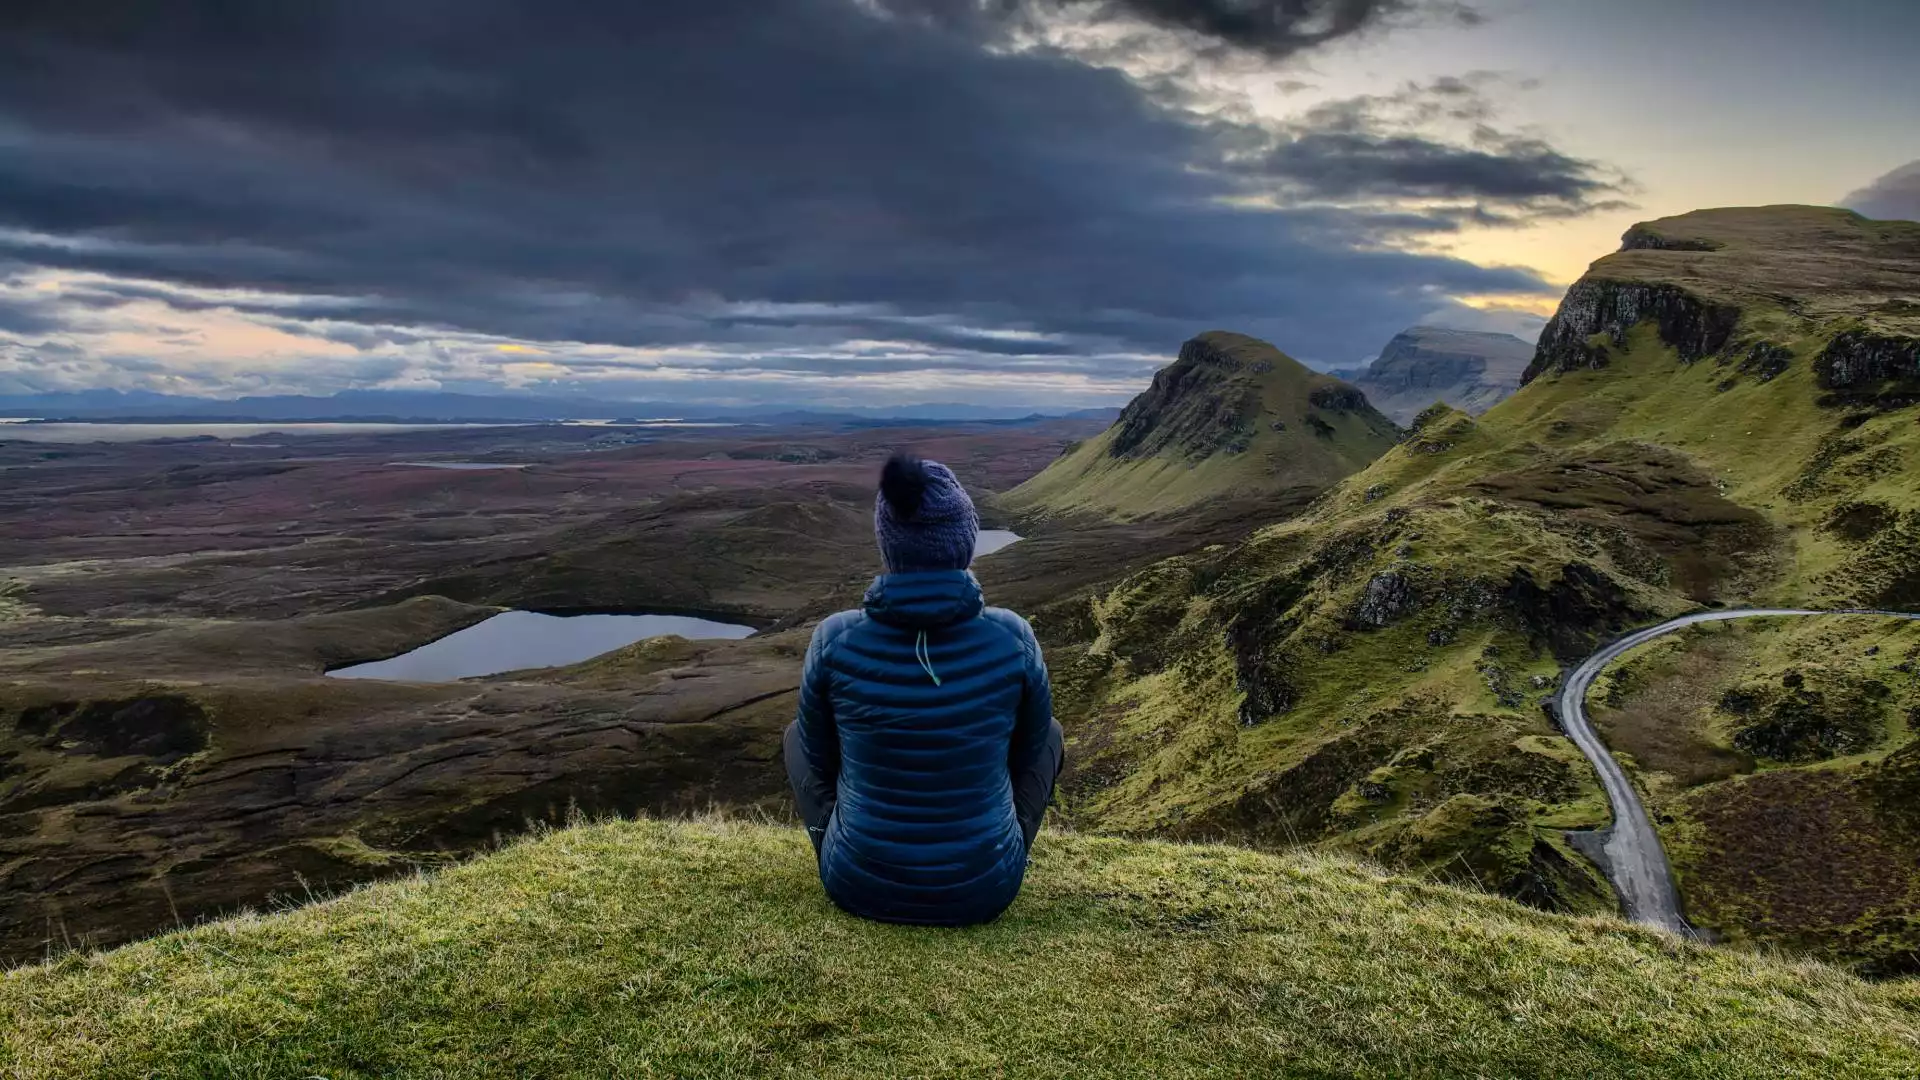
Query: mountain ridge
1231	418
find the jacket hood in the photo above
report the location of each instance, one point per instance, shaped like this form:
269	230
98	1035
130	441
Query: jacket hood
924	599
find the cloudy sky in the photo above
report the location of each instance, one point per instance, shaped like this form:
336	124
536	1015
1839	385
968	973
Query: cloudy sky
872	201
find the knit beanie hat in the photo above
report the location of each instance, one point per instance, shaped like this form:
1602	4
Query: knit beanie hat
923	518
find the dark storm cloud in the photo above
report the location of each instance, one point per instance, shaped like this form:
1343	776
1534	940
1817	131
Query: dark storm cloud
1384	147
1895	196
1276	28
634	173
26	316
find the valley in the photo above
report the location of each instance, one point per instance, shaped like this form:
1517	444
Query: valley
1273	616
172	747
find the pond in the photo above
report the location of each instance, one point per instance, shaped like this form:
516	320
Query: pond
992	540
515	640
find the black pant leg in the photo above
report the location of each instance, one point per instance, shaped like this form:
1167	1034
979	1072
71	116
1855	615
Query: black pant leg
813	795
1033	786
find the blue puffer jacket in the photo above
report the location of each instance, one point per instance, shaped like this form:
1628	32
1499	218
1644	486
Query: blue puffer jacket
925	702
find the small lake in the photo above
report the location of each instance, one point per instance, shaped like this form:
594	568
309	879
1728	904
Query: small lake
514	640
992	540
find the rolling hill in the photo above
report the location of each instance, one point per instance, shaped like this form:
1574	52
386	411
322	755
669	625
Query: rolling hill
1720	413
1232	419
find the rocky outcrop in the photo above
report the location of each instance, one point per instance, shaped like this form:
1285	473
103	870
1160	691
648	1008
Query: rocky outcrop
1388	597
1338	397
1573	613
1594	307
1766	361
1858	359
1796	722
1645	238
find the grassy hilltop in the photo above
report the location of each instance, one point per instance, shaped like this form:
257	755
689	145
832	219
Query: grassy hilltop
1722	413
648	949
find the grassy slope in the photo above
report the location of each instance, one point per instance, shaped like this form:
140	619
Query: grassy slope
1802	851
1235	693
647	949
1089	479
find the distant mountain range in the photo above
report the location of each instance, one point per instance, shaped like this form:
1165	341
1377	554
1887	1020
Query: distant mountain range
442	406
1468	370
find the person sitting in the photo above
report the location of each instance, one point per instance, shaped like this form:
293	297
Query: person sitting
925	751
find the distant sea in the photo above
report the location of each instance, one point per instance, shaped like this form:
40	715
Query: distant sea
33	429
25	429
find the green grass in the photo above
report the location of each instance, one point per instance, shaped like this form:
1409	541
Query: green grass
1736	825
639	949
1234	693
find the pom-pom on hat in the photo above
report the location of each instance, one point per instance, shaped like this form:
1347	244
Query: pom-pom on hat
923	518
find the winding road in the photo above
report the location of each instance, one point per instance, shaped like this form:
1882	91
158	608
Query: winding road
1634	860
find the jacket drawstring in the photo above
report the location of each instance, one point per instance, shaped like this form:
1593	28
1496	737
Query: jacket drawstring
924	654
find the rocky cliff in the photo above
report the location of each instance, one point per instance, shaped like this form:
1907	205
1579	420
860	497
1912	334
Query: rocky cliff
1744	285
1470	371
1231	419
1600	308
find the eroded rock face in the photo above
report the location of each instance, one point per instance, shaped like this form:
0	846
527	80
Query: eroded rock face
1766	361
1642	238
1388	597
1340	398
1693	327
1255	637
1858	359
1195	406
